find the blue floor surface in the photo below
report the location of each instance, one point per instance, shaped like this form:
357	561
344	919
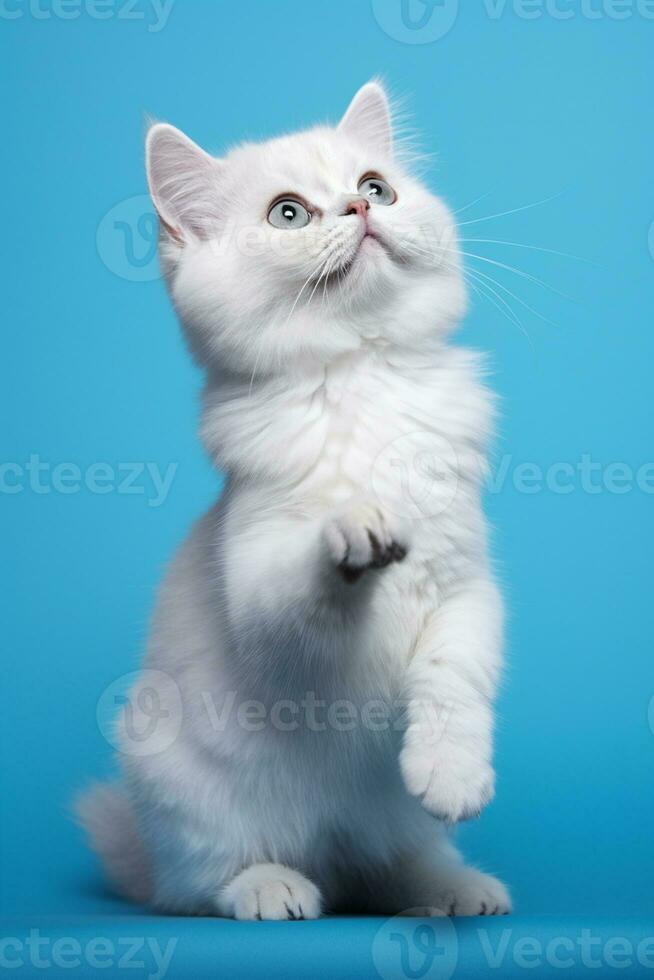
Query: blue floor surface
128	943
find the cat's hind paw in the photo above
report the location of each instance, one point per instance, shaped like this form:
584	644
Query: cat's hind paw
474	893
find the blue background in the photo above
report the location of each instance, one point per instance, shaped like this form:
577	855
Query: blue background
519	110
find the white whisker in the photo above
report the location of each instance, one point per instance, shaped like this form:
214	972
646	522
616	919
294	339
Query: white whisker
536	248
502	214
517	272
500	304
472	203
517	298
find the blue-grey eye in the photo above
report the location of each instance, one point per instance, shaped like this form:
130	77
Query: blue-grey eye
377	190
289	214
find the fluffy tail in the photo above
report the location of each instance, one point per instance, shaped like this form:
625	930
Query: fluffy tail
106	814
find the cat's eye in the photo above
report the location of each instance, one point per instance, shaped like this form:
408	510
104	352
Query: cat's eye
289	214
377	190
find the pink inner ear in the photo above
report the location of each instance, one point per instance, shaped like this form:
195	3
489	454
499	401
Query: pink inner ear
170	231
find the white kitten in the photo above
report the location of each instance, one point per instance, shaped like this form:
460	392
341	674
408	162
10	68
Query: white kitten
326	646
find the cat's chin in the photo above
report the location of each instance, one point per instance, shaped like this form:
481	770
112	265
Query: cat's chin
367	263
372	245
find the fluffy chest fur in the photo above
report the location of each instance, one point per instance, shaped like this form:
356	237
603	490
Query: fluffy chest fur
364	424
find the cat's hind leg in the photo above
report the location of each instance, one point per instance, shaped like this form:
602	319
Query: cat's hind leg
462	890
415	886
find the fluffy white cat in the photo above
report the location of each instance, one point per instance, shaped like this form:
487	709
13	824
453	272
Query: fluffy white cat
319	681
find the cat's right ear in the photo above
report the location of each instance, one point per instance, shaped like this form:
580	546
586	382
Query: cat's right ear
368	118
184	183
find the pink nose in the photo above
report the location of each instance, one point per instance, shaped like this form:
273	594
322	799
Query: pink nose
358	206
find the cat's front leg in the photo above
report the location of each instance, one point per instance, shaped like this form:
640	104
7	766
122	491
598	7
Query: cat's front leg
450	684
362	537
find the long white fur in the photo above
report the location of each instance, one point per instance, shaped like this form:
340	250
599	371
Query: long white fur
321	350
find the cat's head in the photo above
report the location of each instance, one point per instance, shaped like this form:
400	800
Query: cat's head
303	247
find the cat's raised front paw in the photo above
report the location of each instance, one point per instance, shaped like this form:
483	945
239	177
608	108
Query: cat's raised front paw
361	539
451	782
270	891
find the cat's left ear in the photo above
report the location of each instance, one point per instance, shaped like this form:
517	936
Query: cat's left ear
184	183
368	119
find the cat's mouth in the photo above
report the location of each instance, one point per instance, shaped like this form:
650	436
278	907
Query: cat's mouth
372	238
370	243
